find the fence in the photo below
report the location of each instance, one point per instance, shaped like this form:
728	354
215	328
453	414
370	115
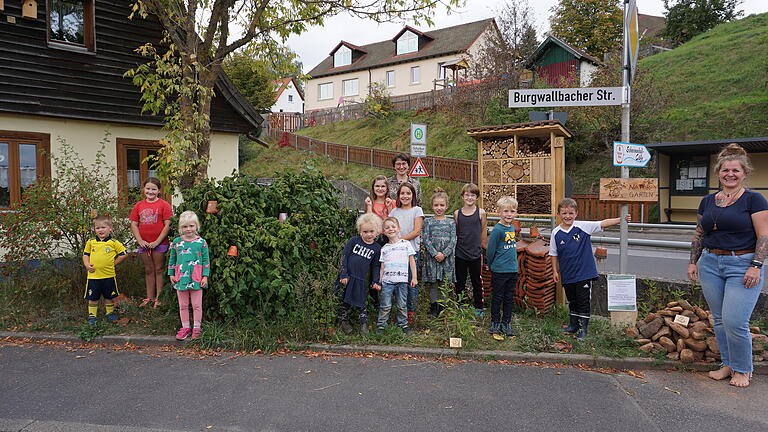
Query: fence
289	122
459	170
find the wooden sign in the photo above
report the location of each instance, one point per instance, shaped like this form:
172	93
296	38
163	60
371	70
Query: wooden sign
629	189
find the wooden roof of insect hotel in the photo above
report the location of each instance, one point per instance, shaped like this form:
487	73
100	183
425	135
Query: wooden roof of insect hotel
537	128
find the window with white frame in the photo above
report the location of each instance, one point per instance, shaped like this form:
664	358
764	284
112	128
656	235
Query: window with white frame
415	75
350	87
342	57
325	91
440	70
290	98
390	78
407	43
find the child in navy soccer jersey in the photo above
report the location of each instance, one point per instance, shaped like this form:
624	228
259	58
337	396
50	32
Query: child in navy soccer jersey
571	250
360	259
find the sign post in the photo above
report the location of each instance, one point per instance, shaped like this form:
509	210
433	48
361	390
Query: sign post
418	140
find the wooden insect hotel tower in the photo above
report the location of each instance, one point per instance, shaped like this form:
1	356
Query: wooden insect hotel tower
525	161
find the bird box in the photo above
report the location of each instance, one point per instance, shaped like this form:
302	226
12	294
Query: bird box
29	9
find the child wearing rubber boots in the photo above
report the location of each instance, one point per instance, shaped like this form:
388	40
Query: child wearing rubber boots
502	259
570	247
100	256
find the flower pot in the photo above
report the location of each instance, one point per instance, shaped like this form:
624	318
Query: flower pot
212	207
232	252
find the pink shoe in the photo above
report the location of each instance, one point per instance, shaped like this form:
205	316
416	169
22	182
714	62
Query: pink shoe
196	333
184	333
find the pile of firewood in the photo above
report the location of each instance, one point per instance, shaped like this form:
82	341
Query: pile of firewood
692	342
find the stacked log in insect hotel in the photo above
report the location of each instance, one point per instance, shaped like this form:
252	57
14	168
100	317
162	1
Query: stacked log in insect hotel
525	161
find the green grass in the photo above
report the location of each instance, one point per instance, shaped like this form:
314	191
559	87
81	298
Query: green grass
716	83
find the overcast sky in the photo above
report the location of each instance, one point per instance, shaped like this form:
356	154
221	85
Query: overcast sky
314	45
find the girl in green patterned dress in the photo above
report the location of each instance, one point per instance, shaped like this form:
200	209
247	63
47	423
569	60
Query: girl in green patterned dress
189	267
439	240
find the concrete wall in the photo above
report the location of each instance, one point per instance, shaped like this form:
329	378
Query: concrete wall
85	137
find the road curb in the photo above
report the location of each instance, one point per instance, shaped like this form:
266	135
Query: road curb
637	363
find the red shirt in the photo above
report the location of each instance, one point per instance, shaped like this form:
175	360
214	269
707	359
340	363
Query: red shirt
151	217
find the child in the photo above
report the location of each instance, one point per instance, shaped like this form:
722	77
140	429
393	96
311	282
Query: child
150	224
571	250
471	239
379	202
100	257
439	235
410	218
397	271
189	268
361	256
502	258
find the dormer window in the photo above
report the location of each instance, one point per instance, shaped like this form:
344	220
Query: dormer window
342	57
407	43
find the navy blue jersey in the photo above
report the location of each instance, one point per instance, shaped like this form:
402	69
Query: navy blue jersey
573	249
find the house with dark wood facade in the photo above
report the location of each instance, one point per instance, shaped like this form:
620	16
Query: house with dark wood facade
557	62
61	78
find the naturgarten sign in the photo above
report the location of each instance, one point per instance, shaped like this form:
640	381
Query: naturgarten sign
558	97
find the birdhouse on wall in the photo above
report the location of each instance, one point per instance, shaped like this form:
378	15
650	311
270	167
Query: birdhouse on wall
29	9
2	5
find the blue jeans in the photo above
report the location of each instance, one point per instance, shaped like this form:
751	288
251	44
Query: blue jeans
413	292
722	281
400	291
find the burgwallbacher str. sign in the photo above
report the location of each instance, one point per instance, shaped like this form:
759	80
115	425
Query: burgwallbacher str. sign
558	97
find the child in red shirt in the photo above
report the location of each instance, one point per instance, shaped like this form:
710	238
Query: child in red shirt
150	223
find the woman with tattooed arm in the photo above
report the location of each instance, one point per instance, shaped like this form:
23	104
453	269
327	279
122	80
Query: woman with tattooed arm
727	254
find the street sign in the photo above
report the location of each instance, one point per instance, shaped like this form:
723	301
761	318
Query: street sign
631	38
418	133
560	97
630	155
418	150
418	169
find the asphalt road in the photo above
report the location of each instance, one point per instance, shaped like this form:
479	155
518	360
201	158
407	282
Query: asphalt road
44	388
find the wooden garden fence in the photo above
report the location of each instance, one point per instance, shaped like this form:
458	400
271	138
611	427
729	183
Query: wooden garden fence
459	170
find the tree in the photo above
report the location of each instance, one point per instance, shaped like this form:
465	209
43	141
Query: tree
201	34
688	18
254	76
593	25
503	55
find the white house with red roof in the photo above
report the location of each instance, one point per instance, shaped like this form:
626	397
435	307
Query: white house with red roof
288	96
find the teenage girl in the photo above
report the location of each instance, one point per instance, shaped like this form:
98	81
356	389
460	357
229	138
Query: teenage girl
411	219
150	224
471	239
189	268
439	235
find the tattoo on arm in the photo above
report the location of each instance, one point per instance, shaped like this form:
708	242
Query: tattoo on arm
761	249
697	242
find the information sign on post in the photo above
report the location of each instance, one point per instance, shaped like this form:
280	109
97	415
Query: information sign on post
630	155
418	139
559	97
622	295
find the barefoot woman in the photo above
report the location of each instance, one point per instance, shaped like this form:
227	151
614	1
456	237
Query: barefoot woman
730	245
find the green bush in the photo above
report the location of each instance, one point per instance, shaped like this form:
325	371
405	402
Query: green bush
272	276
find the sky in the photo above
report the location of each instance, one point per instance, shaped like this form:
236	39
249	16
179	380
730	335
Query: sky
315	44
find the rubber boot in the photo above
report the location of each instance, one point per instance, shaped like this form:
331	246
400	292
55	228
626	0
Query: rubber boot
433	309
583	327
573	327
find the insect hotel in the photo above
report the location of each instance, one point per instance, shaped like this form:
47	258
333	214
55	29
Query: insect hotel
525	161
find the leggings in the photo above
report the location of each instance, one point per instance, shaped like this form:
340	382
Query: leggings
473	266
185	298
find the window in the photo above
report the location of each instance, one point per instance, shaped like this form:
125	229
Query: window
407	43
415	75
350	87
290	98
440	70
342	57
325	91
133	167
22	162
690	175
71	23
390	78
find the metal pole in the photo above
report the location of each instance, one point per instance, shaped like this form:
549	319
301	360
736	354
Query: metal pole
624	235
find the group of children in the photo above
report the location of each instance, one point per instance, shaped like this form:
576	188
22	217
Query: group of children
383	260
188	264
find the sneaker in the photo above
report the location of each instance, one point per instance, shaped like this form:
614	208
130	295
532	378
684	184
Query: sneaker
92	320
196	333
494	328
364	329
507	330
496	332
346	328
407	330
183	333
497	336
479	313
379	330
112	317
